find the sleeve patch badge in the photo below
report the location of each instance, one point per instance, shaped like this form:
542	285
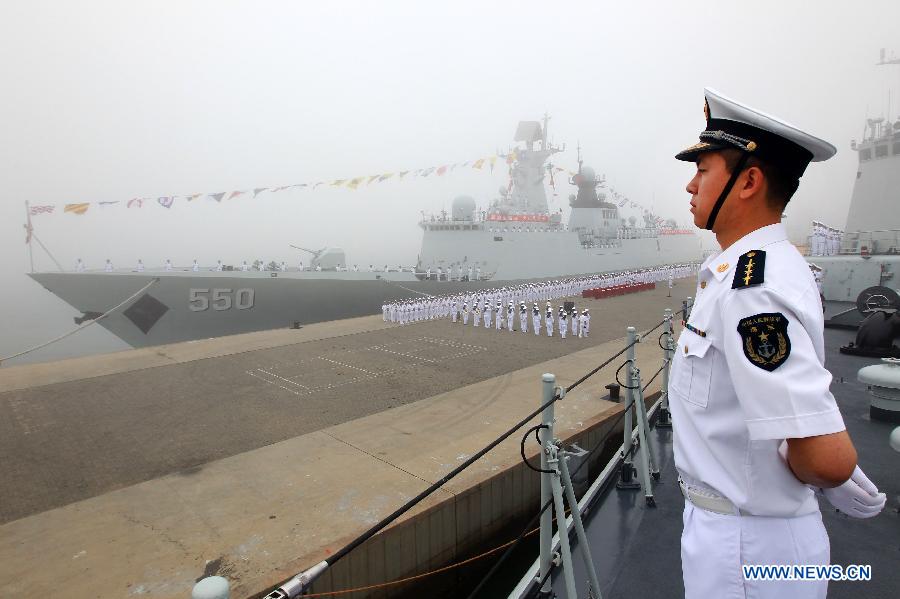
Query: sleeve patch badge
750	270
765	340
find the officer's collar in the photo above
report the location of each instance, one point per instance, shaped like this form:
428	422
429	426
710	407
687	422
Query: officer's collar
720	266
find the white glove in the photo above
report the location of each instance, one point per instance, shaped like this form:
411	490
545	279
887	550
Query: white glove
858	497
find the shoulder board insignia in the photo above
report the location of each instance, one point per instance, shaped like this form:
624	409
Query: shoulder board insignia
750	270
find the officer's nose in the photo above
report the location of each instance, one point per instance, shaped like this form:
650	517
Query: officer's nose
692	185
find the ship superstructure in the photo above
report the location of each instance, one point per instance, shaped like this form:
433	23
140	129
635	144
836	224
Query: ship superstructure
518	237
870	249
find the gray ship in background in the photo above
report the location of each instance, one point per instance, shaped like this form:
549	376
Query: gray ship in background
866	270
514	240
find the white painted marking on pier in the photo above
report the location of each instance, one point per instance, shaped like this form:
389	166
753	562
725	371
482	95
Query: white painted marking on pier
282	378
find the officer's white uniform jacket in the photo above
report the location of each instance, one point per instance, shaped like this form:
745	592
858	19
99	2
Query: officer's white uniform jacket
730	415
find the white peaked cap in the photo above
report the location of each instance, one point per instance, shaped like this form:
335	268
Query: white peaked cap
732	124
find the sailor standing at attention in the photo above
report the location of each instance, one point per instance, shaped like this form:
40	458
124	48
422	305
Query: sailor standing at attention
109	266
548	319
755	423
563	323
536	319
523	317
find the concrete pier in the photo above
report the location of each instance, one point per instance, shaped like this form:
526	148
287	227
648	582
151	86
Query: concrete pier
255	456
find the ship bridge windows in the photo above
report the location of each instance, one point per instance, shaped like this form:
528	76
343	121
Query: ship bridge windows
865	154
896	149
881	150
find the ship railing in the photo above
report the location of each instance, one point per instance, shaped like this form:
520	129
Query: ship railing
555	477
874	242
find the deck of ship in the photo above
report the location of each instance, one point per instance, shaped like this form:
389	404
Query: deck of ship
637	549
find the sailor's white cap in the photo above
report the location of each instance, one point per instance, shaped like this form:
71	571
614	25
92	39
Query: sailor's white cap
731	124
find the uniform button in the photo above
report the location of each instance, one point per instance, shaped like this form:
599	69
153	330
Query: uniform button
685	349
702	284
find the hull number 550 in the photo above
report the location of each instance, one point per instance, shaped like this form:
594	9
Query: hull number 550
221	299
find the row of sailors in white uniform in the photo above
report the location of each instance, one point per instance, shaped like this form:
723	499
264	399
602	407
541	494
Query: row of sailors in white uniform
443	306
825	240
503	318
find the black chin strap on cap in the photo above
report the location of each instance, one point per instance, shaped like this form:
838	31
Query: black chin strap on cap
739	167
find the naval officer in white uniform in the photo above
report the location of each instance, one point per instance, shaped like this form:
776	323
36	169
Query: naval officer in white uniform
754	421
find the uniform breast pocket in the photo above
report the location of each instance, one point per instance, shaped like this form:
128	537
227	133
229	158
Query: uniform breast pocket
692	369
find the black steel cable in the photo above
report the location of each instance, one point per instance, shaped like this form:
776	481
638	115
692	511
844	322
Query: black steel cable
331	560
599	368
656	374
659	324
522	447
659	341
534	519
618	370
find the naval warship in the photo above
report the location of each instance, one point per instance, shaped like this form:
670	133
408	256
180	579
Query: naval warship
864	276
516	239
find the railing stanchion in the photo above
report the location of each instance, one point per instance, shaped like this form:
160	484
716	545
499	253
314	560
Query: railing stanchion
546	534
664	418
626	478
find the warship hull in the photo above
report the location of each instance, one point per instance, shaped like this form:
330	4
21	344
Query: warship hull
185	305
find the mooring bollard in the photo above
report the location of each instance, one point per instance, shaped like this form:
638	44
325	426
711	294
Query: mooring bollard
211	587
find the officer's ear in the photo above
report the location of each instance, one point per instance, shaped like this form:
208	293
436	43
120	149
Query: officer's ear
752	183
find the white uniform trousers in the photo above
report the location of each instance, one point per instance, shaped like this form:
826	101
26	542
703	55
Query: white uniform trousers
536	324
715	546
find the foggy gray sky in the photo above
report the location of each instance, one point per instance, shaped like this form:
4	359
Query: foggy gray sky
113	100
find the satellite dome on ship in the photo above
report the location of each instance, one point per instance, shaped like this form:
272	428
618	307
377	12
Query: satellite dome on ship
463	208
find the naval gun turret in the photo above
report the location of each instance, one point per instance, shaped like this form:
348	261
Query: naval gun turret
326	258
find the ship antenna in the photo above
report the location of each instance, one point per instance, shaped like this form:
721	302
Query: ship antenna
545	136
579	157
